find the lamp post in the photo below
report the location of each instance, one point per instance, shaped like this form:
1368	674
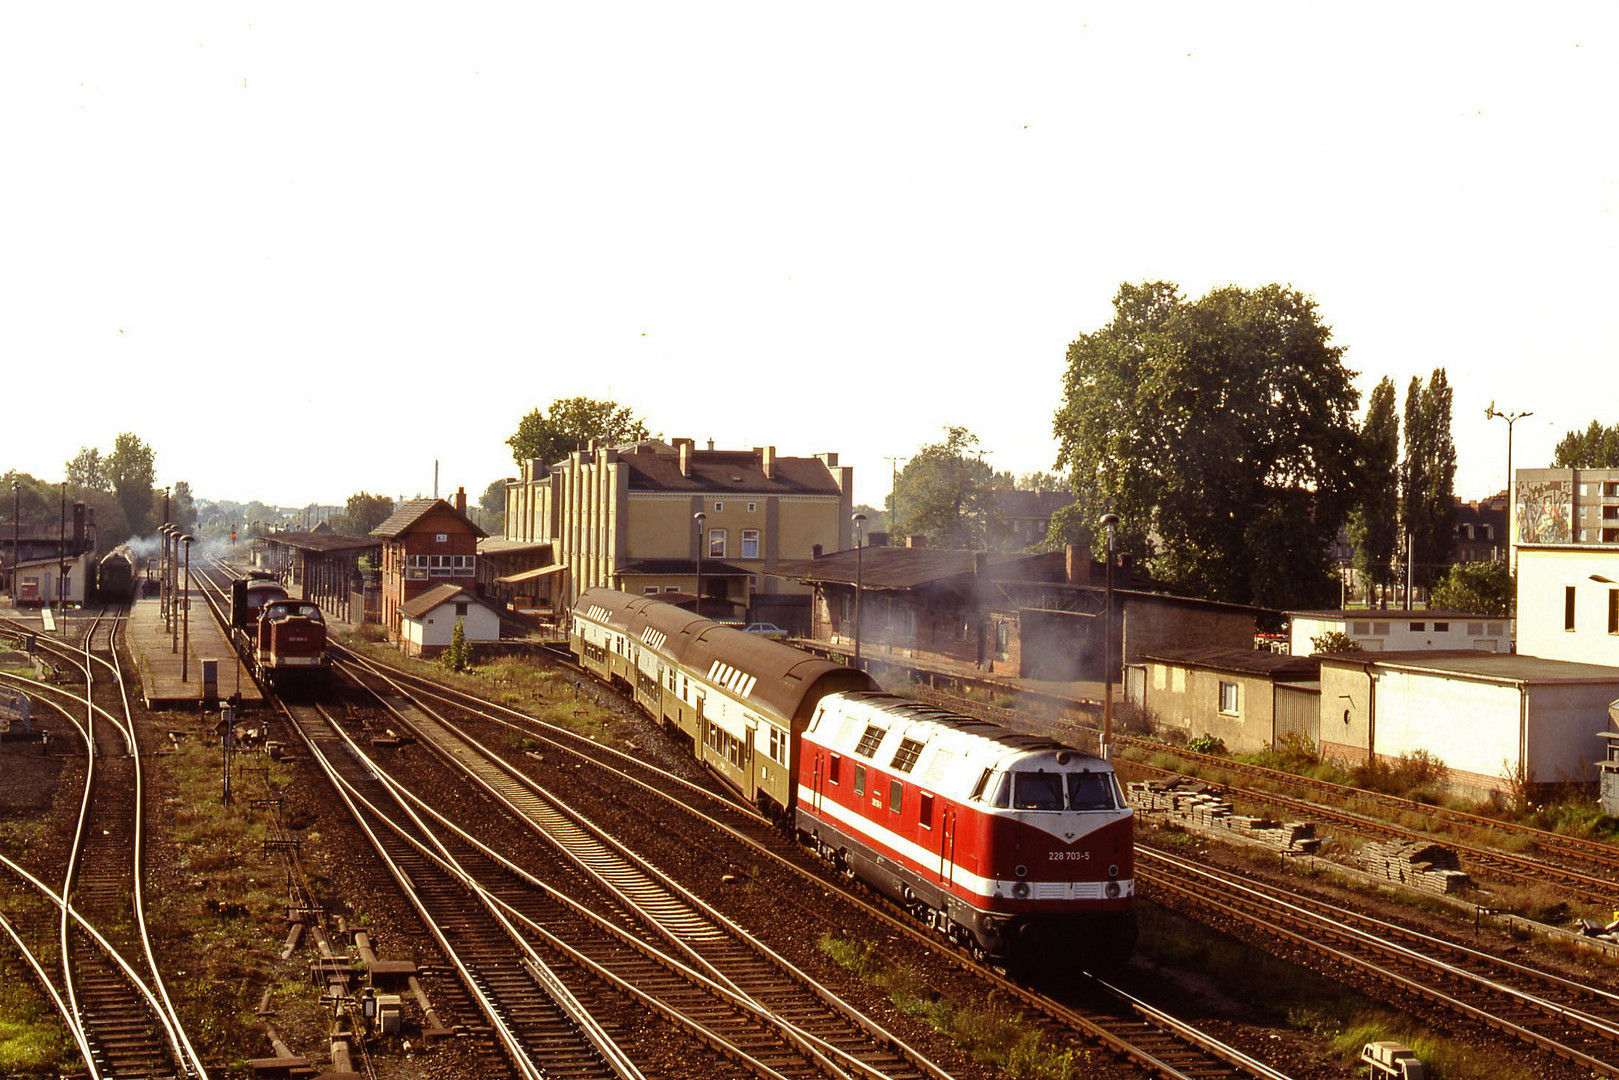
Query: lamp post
185	610
61	577
1111	523
1492	413
163	574
859	574
16	537
700	518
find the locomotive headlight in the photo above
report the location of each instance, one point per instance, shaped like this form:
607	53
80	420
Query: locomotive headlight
1112	890
1021	870
1021	890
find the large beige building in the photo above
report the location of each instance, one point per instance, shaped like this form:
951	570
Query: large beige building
626	518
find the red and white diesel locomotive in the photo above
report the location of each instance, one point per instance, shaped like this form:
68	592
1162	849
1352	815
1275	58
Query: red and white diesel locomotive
1014	846
281	638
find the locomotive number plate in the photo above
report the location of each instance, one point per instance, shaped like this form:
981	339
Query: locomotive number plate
1069	856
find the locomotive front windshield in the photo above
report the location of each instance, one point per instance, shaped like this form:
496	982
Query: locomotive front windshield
1054	792
277	612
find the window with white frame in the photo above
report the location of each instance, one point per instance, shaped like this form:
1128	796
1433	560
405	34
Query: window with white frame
716	543
750	543
1228	698
416	567
441	538
464	565
670	588
438	566
753	508
650	590
719	507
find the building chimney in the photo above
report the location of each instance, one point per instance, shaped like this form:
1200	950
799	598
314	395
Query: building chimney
78	525
1077	565
767	461
684	446
711	444
461	500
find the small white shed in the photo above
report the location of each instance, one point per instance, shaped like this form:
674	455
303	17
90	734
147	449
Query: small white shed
1492	718
427	623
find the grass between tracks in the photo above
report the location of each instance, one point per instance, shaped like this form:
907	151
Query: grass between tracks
33	1039
516	682
994	1032
1304	1002
216	898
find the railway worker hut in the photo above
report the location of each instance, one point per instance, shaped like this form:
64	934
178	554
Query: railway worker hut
1398	630
1250	700
425	543
427	622
1497	721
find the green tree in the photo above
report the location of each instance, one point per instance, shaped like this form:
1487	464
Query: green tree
947	493
131	467
493	504
183	507
363	513
455	656
1222	433
1333	641
88	471
569	424
1374	522
1428	478
1042	481
1597	447
1478	588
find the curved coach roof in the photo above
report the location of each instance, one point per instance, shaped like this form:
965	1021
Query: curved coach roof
777	677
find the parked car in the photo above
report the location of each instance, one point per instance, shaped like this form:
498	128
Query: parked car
768	629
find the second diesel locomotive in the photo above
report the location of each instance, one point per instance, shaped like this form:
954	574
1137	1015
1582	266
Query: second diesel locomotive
282	639
1014	846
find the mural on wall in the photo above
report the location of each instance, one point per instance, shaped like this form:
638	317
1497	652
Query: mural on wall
1545	513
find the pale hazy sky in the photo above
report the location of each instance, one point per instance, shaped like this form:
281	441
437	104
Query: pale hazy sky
307	249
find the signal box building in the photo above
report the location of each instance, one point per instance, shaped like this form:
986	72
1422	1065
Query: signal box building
425	543
624	518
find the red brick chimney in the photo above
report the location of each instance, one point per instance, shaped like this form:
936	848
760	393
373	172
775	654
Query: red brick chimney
461	500
1077	565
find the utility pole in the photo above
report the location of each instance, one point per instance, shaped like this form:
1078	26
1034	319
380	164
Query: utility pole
893	498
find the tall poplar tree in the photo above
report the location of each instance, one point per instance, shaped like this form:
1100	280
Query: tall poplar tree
1374	523
1428	478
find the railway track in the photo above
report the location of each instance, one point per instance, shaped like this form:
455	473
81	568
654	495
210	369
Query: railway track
1576	1021
1105	1019
111	988
710	977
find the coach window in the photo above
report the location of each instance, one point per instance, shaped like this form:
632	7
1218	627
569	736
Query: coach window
859	779
896	795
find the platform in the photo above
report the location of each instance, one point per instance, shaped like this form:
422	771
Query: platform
157	654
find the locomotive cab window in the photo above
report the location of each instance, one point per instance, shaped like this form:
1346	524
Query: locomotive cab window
1037	791
1000	795
1090	791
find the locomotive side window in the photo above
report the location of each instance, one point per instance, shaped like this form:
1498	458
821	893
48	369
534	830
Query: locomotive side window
978	788
1090	791
834	769
869	741
896	795
1037	791
859	779
1003	792
924	811
905	757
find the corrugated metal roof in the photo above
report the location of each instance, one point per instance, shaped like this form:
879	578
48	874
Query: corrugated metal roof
1250	661
1474	663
